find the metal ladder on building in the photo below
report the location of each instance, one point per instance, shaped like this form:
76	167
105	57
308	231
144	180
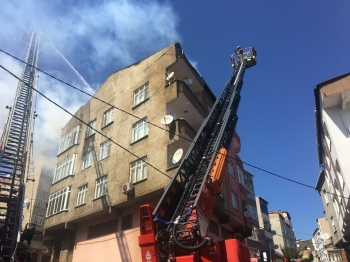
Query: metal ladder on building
13	155
178	207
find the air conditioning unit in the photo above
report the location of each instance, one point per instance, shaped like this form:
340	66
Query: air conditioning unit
127	188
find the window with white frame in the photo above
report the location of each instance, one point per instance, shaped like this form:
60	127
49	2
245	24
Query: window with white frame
81	198
40	201
138	170
87	160
141	94
101	187
108	116
230	169
37	218
140	129
58	201
240	176
69	139
105	149
91	128
64	168
234	200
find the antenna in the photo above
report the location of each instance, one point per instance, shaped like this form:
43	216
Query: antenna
166	120
177	156
169	77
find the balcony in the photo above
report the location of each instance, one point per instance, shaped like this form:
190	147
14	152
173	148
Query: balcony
180	136
187	105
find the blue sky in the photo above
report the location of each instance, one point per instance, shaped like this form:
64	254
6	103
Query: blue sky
299	44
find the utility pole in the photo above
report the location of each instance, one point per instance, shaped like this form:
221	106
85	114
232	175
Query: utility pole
14	153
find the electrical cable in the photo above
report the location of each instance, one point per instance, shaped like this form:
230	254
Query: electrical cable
97	131
147	162
185	138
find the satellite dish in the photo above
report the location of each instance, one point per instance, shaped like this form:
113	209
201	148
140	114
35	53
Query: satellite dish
325	236
170	76
247	213
273	232
167	119
275	246
177	156
188	81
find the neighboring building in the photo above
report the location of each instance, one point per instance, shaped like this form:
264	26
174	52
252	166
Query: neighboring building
248	197
281	224
266	237
35	205
325	251
98	185
332	114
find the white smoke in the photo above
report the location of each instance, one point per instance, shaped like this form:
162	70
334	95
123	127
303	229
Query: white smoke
96	38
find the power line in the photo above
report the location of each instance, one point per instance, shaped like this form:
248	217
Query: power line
185	138
139	158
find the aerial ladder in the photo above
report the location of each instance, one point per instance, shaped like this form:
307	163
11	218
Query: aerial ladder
14	144
177	228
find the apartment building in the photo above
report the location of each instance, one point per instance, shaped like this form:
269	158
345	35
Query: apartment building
322	240
281	224
35	205
153	110
332	115
266	237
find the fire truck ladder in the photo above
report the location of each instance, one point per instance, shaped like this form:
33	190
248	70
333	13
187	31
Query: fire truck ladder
13	154
180	199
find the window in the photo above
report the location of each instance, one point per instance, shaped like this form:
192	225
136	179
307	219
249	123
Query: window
40	202
340	176
82	191
38	219
102	229
325	196
108	116
58	201
240	175
101	187
254	212
105	149
234	200
230	169
213	227
141	94
31	172
87	160
64	168
91	128
70	139
139	129
336	206
333	225
250	191
127	222
138	170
